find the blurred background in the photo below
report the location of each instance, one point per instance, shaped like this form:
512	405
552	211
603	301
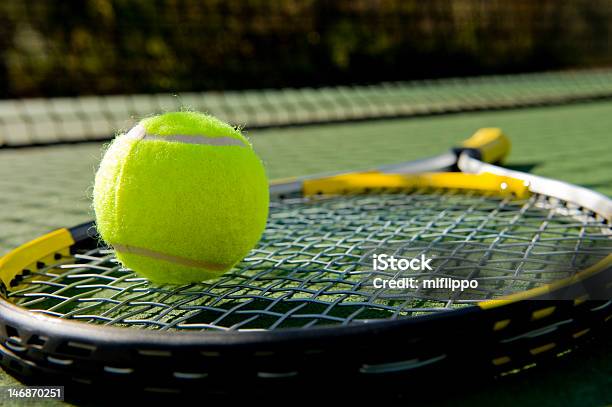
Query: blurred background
140	46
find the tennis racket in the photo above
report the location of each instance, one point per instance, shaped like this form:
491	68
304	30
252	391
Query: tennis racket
303	305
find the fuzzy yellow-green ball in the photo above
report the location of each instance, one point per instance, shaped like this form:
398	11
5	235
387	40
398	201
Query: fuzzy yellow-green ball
182	197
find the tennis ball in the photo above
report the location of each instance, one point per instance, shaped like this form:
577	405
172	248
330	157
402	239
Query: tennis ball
182	197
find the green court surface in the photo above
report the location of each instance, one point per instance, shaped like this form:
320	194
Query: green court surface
48	187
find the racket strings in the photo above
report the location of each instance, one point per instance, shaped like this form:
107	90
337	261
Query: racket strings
313	265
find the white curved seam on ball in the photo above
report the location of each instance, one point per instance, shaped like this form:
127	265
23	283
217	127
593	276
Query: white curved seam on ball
197	139
141	251
137	132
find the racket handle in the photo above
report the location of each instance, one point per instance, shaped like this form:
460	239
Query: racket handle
488	144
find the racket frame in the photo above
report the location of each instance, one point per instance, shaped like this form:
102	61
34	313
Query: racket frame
21	329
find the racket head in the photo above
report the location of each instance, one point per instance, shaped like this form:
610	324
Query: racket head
319	247
67	302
